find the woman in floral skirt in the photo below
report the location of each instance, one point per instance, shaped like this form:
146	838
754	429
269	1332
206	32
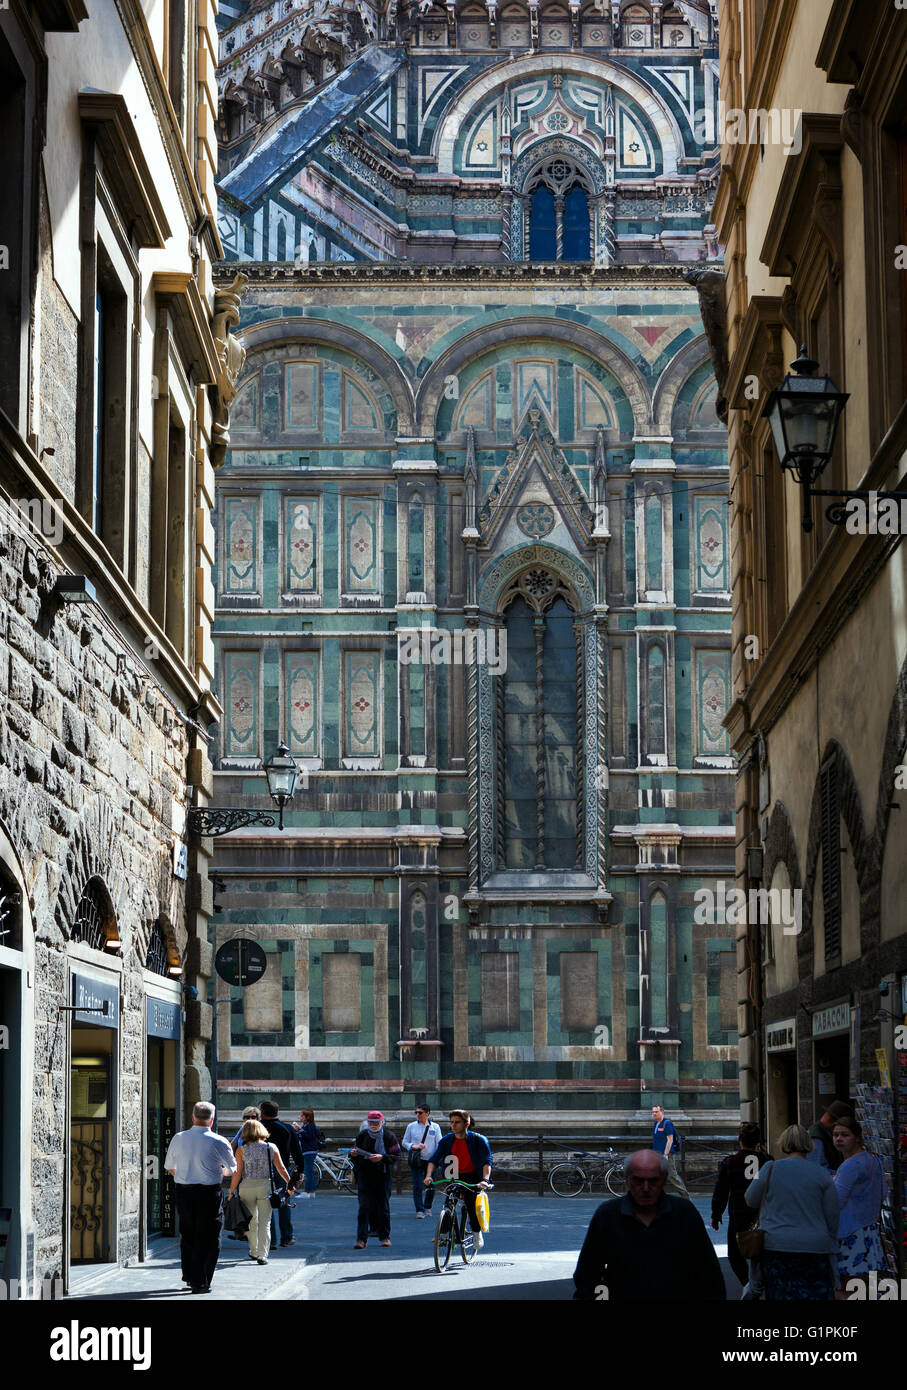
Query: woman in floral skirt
861	1187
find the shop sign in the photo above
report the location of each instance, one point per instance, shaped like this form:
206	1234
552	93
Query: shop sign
781	1037
95	1001
834	1019
162	1019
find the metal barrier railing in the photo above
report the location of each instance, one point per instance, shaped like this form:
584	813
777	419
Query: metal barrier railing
546	1149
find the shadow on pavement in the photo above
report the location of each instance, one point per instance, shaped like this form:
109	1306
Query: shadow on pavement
546	1291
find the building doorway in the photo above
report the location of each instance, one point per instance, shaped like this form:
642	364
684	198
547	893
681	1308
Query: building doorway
91	1145
160	1121
831	1071
10	1112
781	1089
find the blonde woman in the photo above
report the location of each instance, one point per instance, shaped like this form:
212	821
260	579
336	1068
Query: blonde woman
798	1212
256	1160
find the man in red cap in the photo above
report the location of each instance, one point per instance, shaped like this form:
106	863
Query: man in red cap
374	1154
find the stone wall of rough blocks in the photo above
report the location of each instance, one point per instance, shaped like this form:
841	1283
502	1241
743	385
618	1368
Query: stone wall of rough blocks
92	771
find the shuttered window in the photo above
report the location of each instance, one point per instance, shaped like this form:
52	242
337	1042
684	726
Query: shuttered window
831	863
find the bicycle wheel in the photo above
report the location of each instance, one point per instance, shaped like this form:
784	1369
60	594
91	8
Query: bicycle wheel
467	1239
616	1180
567	1180
444	1240
345	1178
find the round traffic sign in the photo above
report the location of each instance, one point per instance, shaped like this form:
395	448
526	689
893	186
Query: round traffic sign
240	961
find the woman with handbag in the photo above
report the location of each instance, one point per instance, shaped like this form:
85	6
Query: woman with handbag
256	1161
861	1188
797	1224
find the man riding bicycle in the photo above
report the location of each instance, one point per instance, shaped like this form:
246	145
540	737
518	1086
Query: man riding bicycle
463	1156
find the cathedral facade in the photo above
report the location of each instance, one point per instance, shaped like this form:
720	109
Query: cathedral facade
473	564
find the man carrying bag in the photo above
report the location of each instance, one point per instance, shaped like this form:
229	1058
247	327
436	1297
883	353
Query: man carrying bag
421	1139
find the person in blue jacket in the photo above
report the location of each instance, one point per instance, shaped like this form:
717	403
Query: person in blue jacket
465	1156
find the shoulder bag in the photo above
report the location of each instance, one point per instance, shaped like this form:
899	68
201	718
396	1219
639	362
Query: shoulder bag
275	1198
750	1242
413	1158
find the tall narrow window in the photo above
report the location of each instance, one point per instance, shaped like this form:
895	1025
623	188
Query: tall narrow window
538	729
97	457
176	46
15	125
177	509
416	544
655	703
105	500
654	565
559	702
519	738
542	226
576	225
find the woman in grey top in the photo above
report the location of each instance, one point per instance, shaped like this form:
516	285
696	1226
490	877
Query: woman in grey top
252	1170
798	1211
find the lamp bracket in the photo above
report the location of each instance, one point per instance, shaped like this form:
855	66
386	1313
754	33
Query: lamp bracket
221	820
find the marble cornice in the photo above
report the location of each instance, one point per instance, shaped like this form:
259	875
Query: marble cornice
582	274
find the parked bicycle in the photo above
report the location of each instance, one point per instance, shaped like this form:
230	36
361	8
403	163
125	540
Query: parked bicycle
337	1168
570	1179
453	1222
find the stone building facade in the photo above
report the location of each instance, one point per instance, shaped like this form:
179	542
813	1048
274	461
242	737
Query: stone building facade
113	404
472	568
814	230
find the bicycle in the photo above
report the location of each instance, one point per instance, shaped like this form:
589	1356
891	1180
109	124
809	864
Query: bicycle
453	1223
569	1179
337	1167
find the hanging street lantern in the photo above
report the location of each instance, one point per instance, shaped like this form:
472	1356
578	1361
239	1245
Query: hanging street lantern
281	773
803	413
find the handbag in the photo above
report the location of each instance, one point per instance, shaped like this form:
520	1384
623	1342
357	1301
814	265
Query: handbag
750	1242
275	1198
415	1159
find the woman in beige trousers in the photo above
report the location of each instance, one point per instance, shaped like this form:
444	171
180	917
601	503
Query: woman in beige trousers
252	1171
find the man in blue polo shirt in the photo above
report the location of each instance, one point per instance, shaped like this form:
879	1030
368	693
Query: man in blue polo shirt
664	1141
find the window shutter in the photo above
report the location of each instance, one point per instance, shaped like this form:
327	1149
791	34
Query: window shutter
831	863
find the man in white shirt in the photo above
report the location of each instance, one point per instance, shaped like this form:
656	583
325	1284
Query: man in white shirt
421	1139
198	1159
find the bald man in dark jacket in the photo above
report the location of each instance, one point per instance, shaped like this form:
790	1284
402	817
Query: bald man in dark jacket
648	1245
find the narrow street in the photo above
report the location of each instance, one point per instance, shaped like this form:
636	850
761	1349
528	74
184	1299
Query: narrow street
530	1253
